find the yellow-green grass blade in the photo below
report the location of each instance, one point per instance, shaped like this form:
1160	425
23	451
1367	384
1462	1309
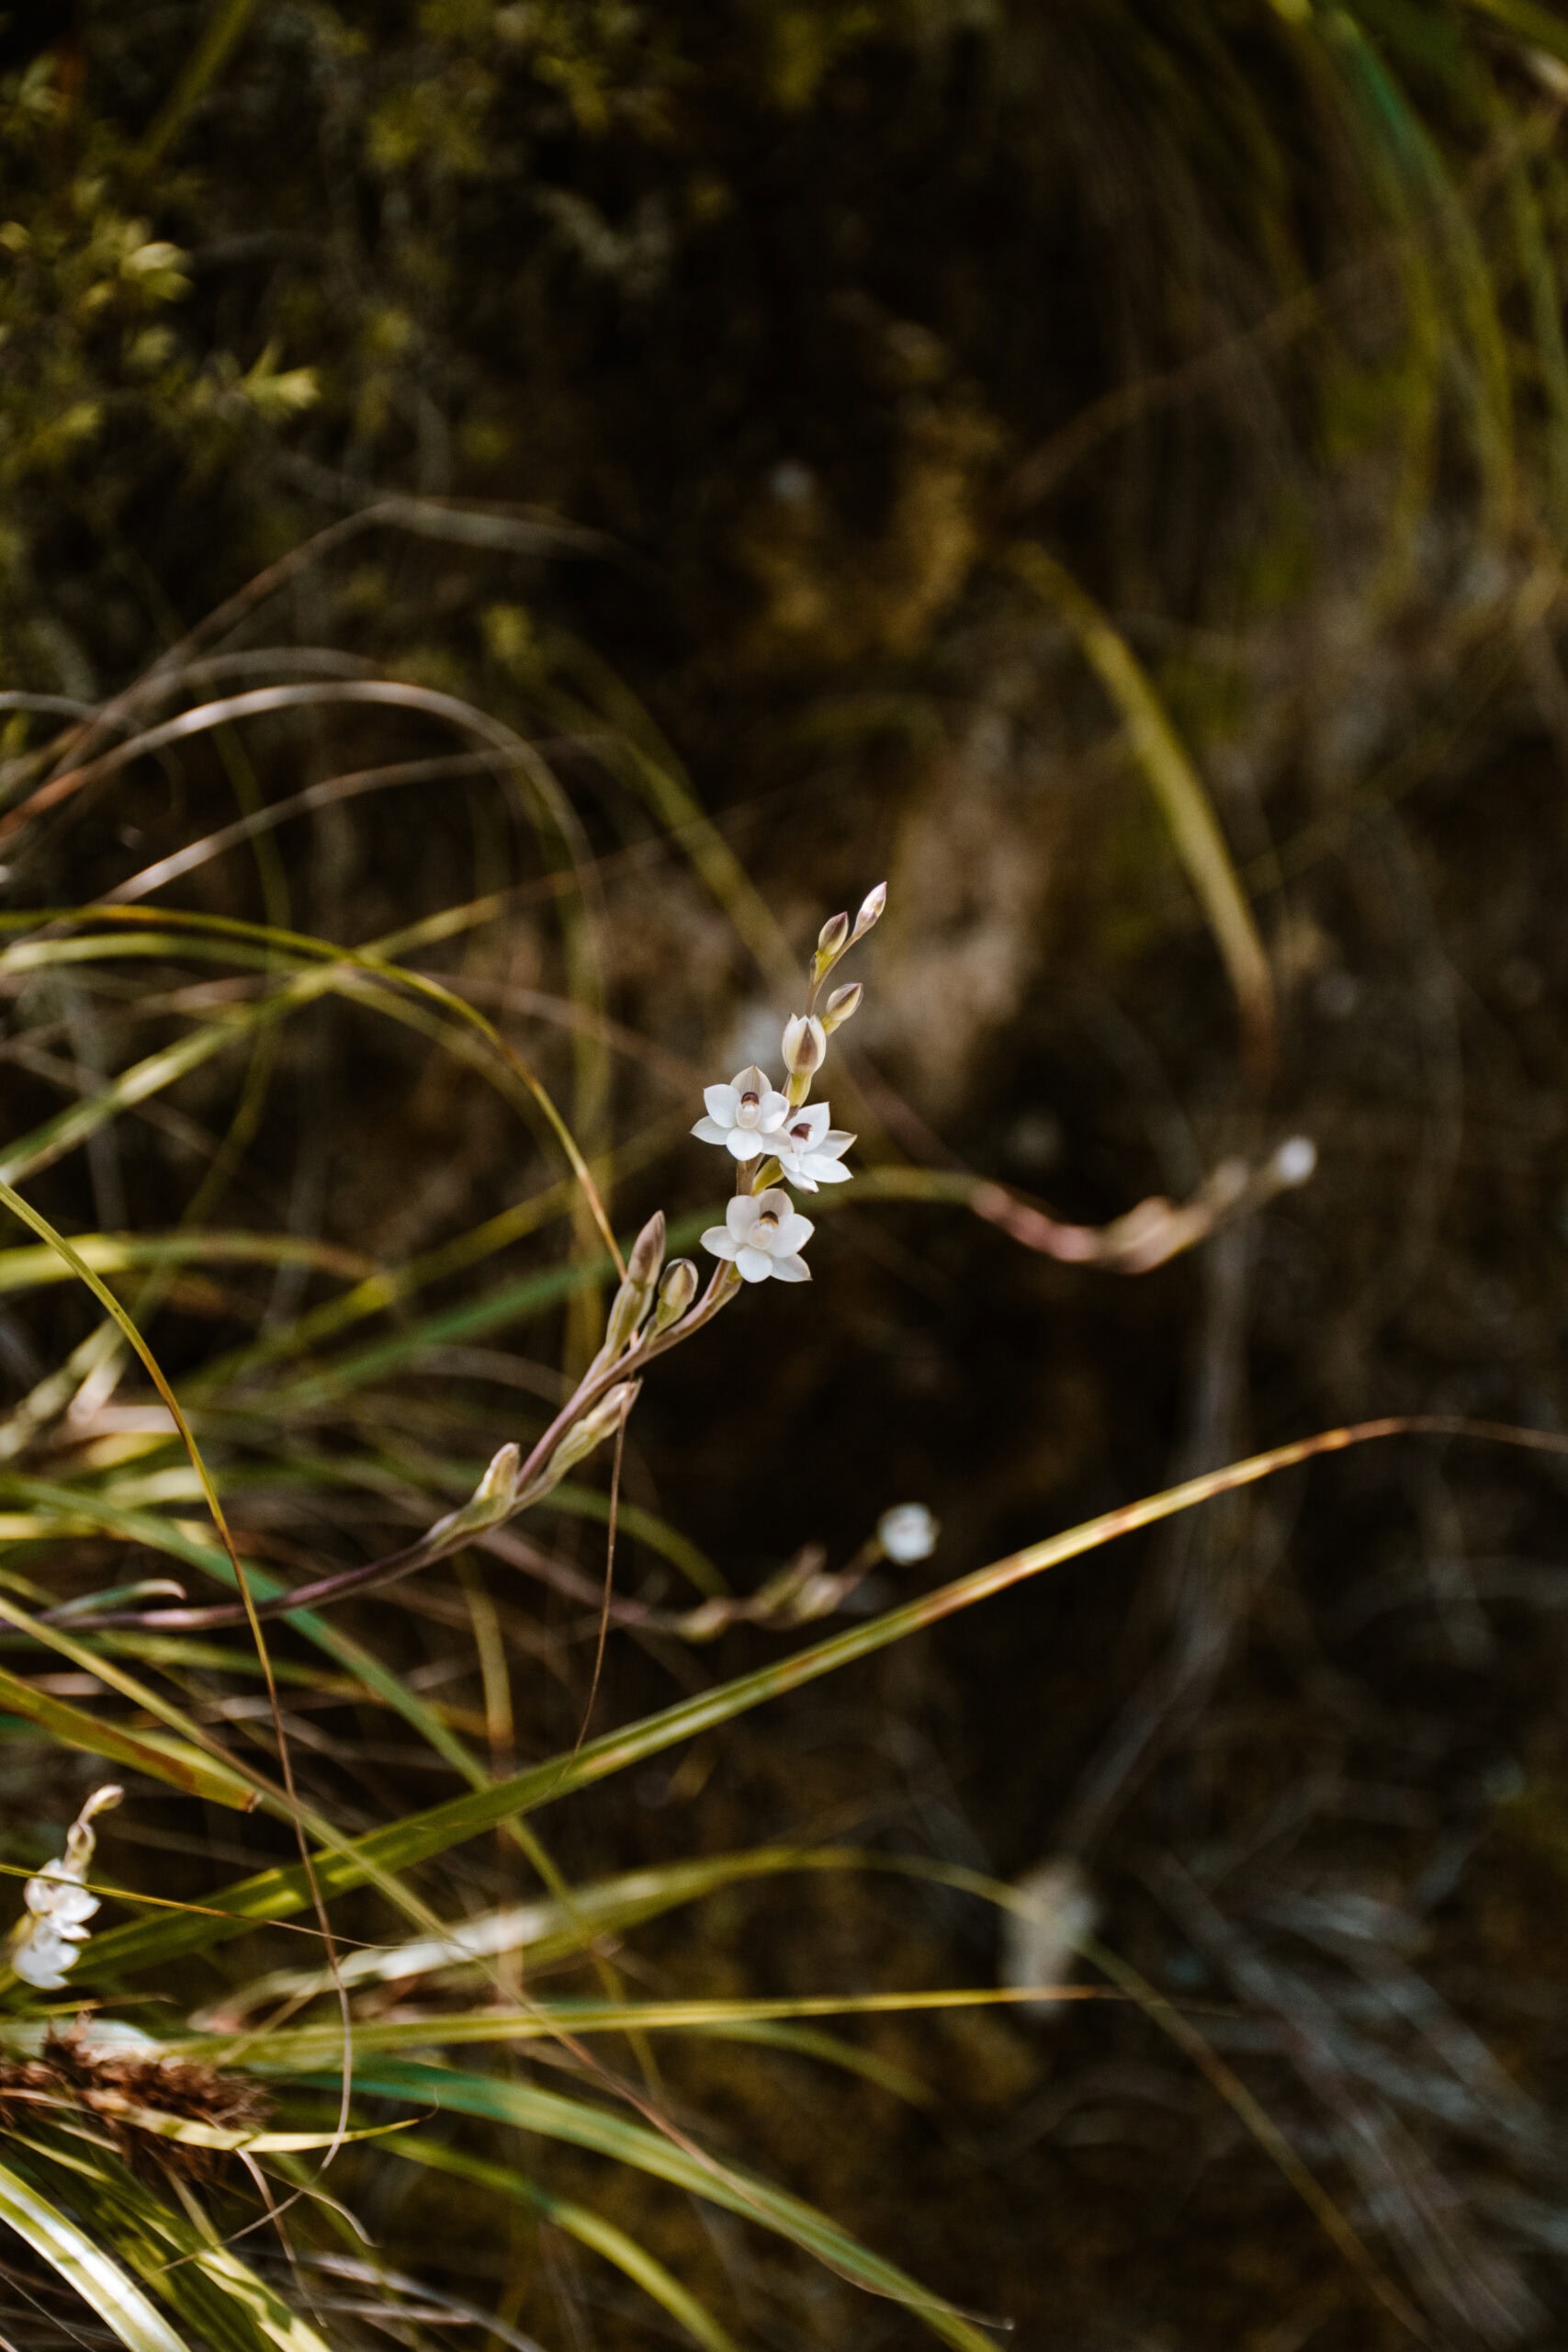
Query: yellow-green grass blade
361	973
279	1892
1178	788
222	2139
158	1755
1393	121
1540	28
210	2289
81	1511
306	2049
590	2229
84	2267
116	1253
605	2133
571	1920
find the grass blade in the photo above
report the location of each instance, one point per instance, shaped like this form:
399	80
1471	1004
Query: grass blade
101	2283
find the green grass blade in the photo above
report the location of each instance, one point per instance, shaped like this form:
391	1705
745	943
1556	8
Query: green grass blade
605	2133
1176	787
278	1893
588	2228
218	2297
161	1758
101	2283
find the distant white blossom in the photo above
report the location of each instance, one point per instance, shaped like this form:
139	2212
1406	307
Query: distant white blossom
762	1234
743	1116
1294	1161
907	1532
47	1939
809	1151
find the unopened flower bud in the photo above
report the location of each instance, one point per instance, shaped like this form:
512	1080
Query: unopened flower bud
594	1426
870	911
676	1293
630	1302
491	1502
805	1045
648	1251
842	1006
832	936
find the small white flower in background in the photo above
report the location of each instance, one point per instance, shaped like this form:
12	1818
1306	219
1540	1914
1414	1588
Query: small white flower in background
743	1116
47	1939
906	1533
1294	1161
762	1234
809	1151
1040	1939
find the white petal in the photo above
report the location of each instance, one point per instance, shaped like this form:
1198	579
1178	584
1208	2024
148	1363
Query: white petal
774	1112
795	1171
723	1103
837	1140
744	1142
719	1242
792	1270
794	1231
774	1202
828	1171
755	1265
813	1117
39	1962
711	1131
750	1080
741	1212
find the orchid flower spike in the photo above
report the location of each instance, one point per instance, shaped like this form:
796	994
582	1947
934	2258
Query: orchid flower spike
47	1939
810	1152
762	1234
744	1116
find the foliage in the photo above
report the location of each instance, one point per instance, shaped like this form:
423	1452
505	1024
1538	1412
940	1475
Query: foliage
642	432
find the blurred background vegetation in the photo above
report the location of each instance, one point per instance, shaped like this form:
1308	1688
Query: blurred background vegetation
1104	463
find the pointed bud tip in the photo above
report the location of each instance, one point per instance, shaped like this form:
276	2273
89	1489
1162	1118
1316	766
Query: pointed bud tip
676	1293
871	910
647	1251
833	934
842	1006
502	1475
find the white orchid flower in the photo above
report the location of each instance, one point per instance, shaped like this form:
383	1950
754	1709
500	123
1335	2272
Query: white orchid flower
47	1939
744	1115
762	1234
810	1152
